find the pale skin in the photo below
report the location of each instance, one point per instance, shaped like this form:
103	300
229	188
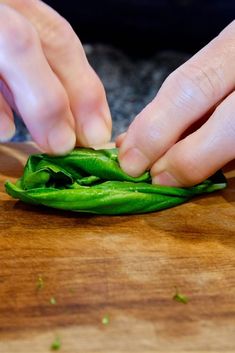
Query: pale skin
45	76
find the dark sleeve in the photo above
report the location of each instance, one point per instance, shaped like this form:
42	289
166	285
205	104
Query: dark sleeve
149	24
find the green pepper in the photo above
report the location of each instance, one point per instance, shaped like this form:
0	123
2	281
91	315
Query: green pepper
88	180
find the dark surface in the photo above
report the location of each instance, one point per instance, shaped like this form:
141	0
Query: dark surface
143	26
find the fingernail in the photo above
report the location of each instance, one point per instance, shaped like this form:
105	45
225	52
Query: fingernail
165	178
134	162
96	131
7	128
62	138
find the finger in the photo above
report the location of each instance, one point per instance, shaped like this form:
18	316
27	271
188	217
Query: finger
7	126
38	94
120	139
66	56
185	96
202	153
7	94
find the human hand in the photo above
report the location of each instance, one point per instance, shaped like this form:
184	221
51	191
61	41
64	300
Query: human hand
201	92
46	78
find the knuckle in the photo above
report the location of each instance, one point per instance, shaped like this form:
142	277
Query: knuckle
231	25
228	125
203	79
64	29
193	82
54	105
230	29
16	33
59	34
189	168
150	136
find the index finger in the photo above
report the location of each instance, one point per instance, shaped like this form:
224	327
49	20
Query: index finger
186	95
39	96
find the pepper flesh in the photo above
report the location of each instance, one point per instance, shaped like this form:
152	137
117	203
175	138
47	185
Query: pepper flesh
88	180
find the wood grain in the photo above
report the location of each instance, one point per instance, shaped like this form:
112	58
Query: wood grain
123	266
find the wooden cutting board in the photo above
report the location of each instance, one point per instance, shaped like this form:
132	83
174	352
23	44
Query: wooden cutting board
126	267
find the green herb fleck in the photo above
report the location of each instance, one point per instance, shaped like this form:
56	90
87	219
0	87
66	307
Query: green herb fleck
52	301
56	344
181	298
105	320
39	283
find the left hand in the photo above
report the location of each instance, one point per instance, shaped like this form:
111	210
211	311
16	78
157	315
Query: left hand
200	91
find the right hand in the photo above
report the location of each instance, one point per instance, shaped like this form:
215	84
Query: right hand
46	78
